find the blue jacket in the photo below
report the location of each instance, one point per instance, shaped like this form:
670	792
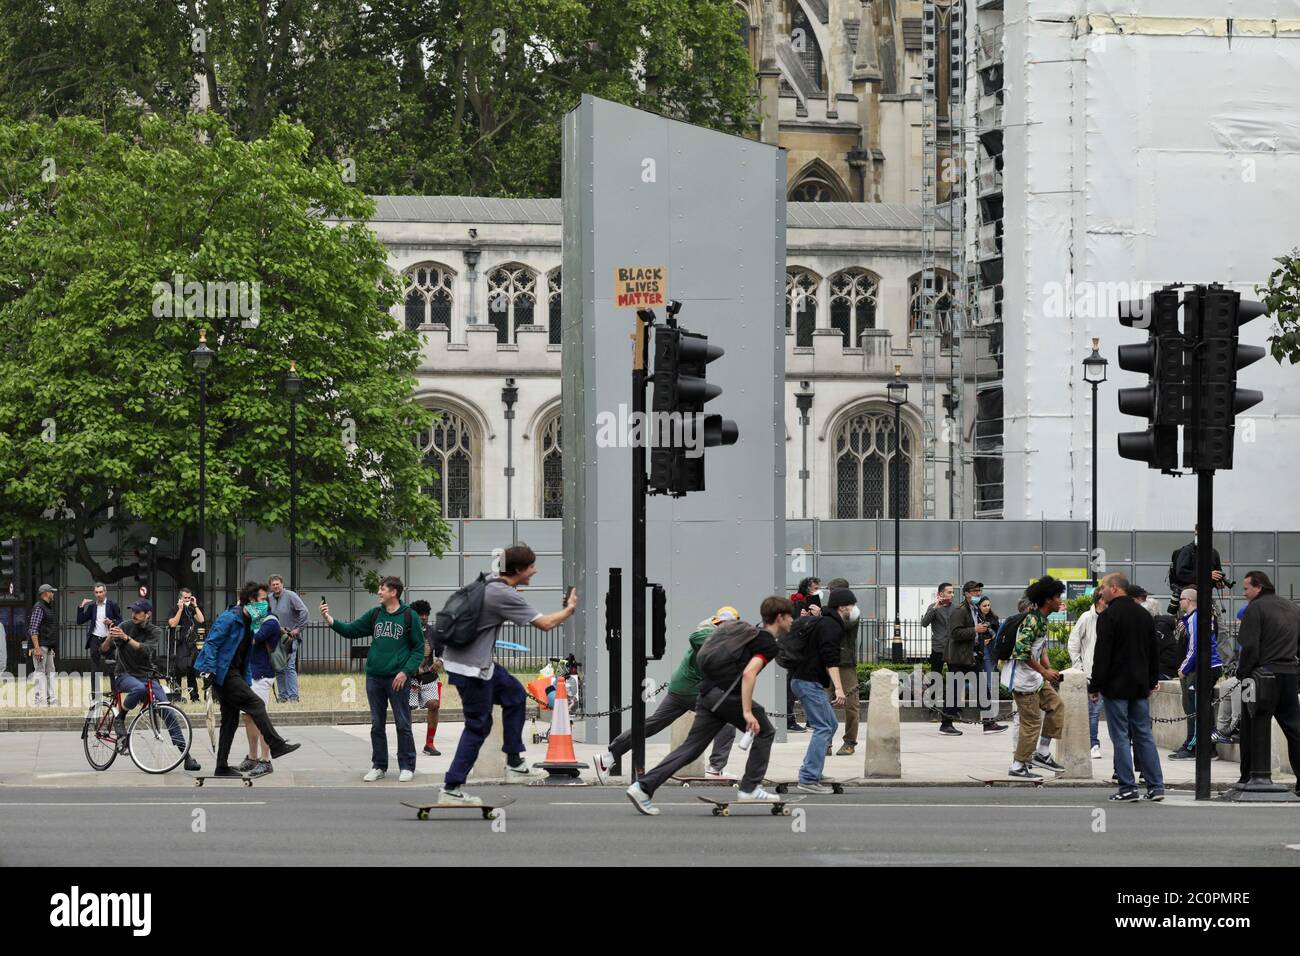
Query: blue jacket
86	615
222	642
1189	662
259	655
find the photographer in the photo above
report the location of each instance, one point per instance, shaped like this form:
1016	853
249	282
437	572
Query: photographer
186	619
1183	572
136	644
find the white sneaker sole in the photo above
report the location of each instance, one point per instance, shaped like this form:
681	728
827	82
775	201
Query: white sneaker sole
653	811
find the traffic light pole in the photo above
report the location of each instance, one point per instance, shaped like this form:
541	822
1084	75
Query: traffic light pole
1204	622
644	321
614	647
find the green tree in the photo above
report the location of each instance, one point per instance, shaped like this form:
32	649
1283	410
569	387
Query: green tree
116	253
1282	299
421	96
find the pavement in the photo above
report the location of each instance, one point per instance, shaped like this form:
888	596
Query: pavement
337	756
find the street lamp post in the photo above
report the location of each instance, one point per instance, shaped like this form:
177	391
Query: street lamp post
1094	373
293	388
803	400
897	391
510	395
202	357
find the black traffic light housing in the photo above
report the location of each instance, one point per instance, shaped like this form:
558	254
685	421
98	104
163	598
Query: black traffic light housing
9	585
681	389
1163	359
658	622
1219	356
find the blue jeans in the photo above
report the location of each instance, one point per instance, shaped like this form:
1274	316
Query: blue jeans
821	719
134	689
1094	715
1130	720
286	682
476	699
379	692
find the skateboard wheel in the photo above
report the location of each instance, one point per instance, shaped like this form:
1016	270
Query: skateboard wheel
487	813
198	782
785	811
782	788
248	783
717	811
776	811
726	811
838	788
686	786
422	814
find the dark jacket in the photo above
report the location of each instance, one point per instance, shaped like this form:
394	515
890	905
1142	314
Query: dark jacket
86	615
138	663
961	637
1172	649
1126	658
823	650
1268	636
937	619
1182	567
849	643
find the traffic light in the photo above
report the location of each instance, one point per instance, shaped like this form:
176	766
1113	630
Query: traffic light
658	622
1219	355
681	389
1163	358
8	567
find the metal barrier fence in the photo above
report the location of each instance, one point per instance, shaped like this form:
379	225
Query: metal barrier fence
323	651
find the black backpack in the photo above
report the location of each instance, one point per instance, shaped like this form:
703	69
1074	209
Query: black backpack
718	655
1006	645
456	625
794	649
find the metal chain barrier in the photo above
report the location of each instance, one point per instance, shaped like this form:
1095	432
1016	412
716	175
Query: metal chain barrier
581	715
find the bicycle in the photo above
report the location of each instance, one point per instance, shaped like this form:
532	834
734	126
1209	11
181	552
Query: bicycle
151	739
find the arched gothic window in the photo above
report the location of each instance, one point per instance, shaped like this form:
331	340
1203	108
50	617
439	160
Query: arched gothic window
944	285
550	470
804	43
853	304
512	296
554	314
427	296
801	305
449	446
865	466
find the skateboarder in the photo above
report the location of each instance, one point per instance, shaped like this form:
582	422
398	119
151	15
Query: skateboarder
683	691
224	660
729	671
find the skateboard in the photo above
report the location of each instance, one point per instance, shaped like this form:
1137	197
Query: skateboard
198	778
489	810
1008	781
785	785
722	808
687	782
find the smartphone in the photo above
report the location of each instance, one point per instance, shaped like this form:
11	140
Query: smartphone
322	599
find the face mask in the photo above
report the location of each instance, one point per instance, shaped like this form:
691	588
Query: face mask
823	595
854	614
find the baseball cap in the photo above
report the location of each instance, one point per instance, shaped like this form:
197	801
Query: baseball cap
141	605
726	613
971	586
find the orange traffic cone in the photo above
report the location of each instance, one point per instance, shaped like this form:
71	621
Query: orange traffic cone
561	765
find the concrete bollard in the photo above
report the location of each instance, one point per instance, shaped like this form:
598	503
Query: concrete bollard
491	764
884	735
680	730
1074	749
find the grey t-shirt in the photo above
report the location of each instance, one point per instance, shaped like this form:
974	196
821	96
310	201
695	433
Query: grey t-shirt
501	603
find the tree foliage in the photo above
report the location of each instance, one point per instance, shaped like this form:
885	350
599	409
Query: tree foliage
1282	299
99	401
423	96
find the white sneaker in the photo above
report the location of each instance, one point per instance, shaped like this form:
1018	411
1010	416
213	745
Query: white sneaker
603	764
641	800
712	774
1096	752
456	797
373	774
814	788
523	772
406	776
757	795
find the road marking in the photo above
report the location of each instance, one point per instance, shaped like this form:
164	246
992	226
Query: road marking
135	803
945	806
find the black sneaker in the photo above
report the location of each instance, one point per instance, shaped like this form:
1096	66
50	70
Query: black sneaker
226	771
949	730
1182	753
993	727
1124	796
260	768
1154	795
1023	773
432	751
1047	763
192	765
795	729
247	765
286	748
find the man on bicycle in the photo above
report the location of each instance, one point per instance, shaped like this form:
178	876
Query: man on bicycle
136	644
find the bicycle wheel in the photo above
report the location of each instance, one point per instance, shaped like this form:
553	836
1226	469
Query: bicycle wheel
153	747
97	736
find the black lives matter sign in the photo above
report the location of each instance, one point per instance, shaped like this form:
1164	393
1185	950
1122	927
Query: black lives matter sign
639	287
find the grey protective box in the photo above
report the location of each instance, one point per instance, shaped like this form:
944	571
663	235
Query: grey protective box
643	190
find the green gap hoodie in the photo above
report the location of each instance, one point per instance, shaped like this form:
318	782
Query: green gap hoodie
396	647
